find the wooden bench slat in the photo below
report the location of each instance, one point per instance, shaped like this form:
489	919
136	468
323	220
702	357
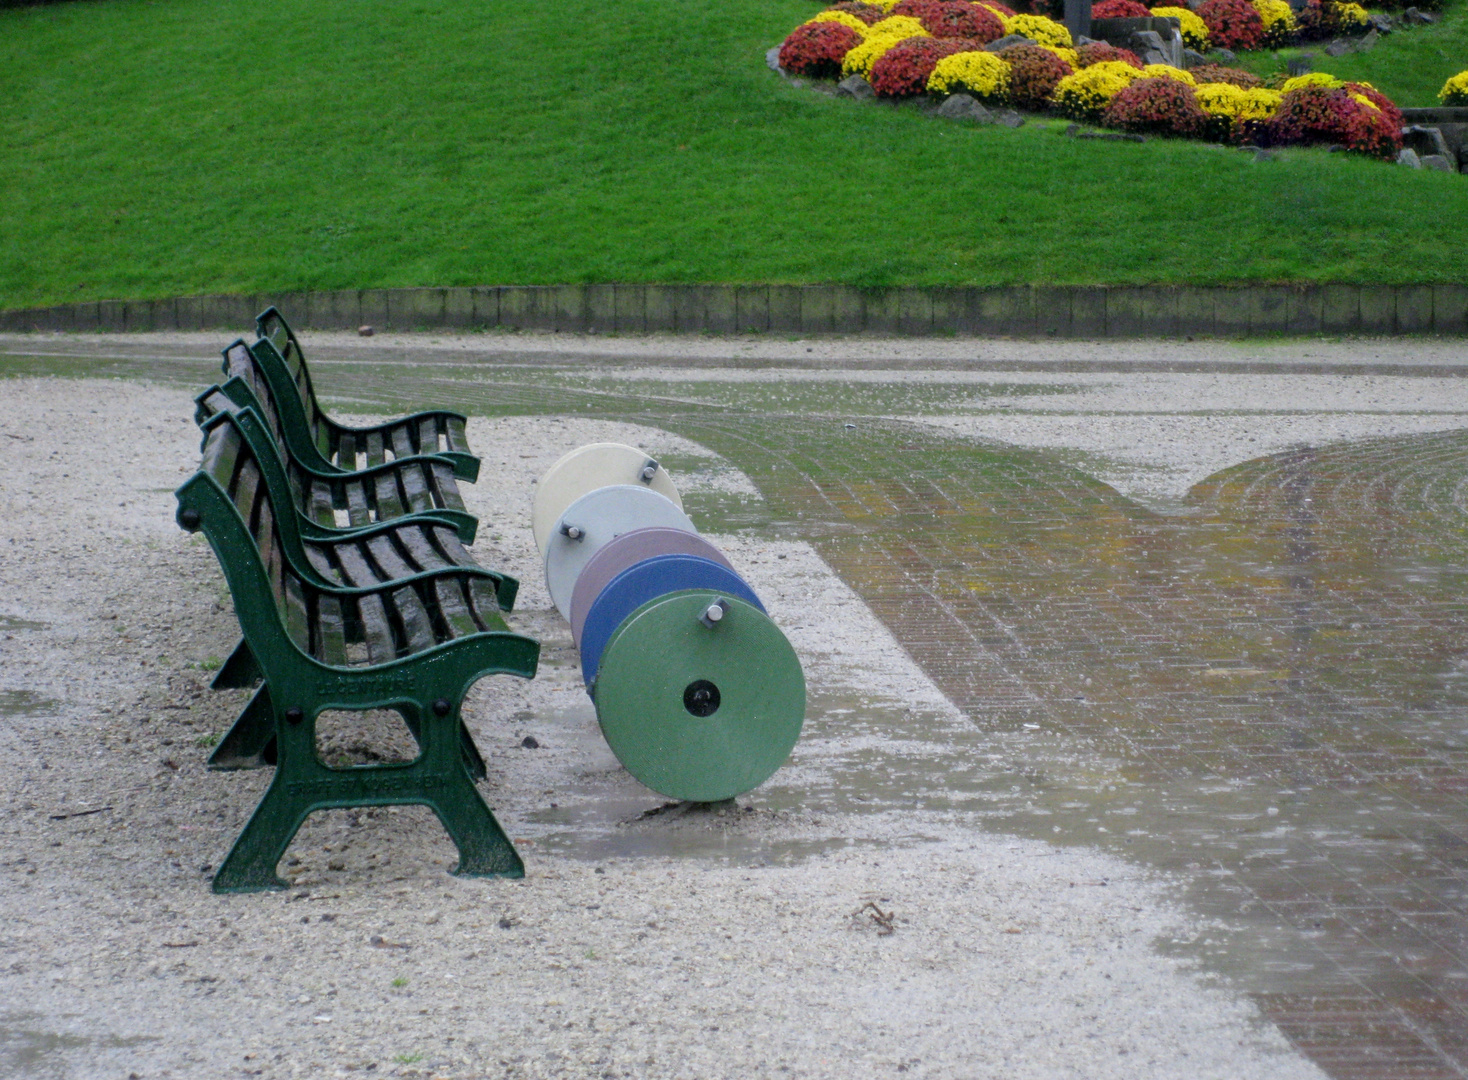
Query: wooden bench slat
322	564
458	441
416	487
387	557
330	632
375	448
346	451
421	549
322	511
376	630
449	543
389	503
297	622
402	441
455	608
355	568
446	485
485	604
246	488
428	436
220	453
417	623
357	512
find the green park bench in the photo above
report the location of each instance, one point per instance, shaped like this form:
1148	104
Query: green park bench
384	488
327	632
320	442
374	555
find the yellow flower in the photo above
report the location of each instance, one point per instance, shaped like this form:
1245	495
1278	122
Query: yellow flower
885	5
1084	94
1349	13
845	18
897	27
1220	99
1068	55
1167	71
1455	90
1195	30
860	58
1260	103
1040	30
1364	100
1313	78
1275	13
981	73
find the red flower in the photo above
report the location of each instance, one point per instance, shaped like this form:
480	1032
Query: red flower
867	13
1317	114
903	70
1033	73
1119	9
1098	51
1232	24
954	19
1004	9
1387	106
816	49
1216	73
1156	107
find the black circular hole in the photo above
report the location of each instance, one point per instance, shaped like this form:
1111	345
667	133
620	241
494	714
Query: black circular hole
701	698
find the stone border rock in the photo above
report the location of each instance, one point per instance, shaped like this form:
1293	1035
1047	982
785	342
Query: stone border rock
1062	311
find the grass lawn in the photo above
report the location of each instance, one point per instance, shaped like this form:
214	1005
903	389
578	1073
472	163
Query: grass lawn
153	149
1409	65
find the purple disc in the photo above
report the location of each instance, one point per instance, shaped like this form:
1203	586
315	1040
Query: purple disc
627	550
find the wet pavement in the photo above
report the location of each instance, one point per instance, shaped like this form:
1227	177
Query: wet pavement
1259	685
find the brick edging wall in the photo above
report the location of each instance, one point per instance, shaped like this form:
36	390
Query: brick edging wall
1079	311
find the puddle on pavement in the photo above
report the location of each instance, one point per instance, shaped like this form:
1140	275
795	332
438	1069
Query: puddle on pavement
25	703
13	622
27	1049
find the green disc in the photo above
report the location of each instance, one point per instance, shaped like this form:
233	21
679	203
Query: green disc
699	708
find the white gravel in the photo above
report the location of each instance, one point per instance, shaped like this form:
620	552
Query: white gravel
684	944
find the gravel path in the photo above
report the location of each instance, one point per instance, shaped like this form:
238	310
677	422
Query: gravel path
646	941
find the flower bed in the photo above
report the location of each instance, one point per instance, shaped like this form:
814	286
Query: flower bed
908	48
1455	90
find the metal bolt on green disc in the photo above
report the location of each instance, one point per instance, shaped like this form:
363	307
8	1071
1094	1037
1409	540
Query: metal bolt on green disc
697	706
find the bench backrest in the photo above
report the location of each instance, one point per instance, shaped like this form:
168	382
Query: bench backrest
272	327
230	462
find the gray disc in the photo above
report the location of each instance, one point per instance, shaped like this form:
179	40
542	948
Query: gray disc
587	468
627	550
593	521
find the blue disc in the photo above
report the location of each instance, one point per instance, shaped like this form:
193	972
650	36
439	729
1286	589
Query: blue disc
646	581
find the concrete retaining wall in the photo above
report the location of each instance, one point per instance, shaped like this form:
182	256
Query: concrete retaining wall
1019	311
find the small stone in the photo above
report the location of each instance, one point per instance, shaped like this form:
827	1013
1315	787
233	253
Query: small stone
1073	130
965	107
1300	65
1266	155
1368	40
1380	21
1420	18
1192	58
1155	56
1009	118
336	864
854	86
1222	56
1007	41
530	742
772	58
1081	39
365	331
1338	47
1438	162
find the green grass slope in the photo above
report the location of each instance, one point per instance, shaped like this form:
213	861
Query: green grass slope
1409	65
154	149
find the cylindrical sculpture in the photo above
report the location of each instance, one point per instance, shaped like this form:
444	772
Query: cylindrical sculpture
697	691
